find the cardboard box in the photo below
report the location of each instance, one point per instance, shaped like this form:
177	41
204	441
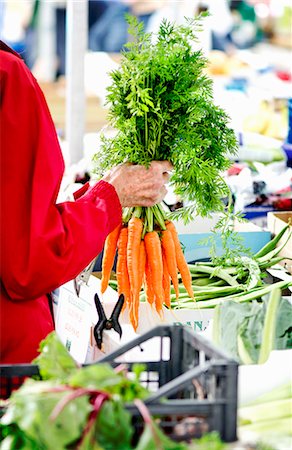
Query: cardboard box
192	236
76	317
197	319
276	222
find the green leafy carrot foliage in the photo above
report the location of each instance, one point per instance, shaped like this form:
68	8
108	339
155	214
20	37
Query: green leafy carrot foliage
161	105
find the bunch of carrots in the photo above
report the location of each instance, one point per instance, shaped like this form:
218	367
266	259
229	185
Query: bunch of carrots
149	256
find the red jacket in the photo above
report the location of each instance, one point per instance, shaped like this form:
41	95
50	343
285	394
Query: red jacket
43	244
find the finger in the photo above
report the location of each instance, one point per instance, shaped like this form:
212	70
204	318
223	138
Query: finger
163	166
167	166
162	193
166	177
154	197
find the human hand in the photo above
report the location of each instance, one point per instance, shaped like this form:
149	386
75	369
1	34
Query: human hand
137	185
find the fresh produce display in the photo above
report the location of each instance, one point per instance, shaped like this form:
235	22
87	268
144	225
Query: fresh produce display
268	417
161	105
78	408
268	120
251	318
86	408
250	331
237	278
221	63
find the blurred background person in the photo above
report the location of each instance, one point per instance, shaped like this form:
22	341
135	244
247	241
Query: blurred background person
37	28
110	32
245	30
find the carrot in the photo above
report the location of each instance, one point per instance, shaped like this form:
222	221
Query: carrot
134	310
180	260
122	269
166	282
170	258
154	256
108	258
148	283
135	227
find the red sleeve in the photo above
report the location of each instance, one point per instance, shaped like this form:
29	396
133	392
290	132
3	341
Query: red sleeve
43	244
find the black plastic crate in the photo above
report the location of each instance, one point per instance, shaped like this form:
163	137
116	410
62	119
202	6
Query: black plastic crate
13	375
193	385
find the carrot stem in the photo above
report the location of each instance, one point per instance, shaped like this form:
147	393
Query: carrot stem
159	216
149	219
127	214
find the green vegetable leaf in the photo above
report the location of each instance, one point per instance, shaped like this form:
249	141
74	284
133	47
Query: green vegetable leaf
104	377
31	408
89	442
153	438
249	331
54	361
12	438
283	326
210	441
96	376
229	317
269	325
107	433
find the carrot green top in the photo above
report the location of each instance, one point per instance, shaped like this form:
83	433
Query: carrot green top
162	106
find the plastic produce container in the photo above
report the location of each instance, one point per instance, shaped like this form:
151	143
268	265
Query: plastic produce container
193	384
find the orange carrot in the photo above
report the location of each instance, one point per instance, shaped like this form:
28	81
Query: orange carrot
148	283
154	256
135	227
166	282
142	263
122	269
170	258
134	310
108	258
180	260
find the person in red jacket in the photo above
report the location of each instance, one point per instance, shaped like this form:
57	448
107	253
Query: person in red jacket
44	244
